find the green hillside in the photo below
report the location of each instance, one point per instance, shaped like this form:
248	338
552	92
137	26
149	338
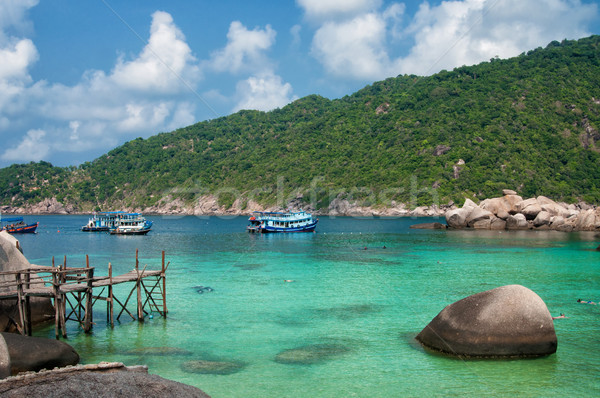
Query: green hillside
529	123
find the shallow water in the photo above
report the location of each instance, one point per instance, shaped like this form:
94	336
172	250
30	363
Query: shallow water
348	318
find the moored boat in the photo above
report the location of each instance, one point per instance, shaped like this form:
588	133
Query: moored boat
299	221
131	224
102	221
16	225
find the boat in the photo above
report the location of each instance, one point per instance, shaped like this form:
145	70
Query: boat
102	221
130	224
16	225
300	221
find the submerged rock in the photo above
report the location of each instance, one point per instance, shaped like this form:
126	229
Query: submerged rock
429	225
311	354
212	367
509	321
158	351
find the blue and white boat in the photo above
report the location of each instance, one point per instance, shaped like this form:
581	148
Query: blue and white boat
102	221
131	224
299	221
119	223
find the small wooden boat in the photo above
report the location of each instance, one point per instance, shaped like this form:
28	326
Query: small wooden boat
264	222
16	225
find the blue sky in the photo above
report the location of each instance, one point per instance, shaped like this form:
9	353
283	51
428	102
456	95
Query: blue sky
78	78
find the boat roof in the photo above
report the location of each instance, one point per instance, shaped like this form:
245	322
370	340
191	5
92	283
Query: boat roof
116	213
12	219
279	213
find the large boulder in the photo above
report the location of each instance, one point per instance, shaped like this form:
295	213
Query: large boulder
509	321
457	218
588	220
96	380
529	208
543	218
479	214
517	221
12	259
36	353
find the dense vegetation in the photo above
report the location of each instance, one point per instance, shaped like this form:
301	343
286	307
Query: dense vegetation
528	123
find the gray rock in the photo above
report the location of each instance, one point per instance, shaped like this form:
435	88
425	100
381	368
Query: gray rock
498	224
482	224
543	218
105	380
4	359
508	192
478	214
457	218
36	353
509	321
516	221
529	208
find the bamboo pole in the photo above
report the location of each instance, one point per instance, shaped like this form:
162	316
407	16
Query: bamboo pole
110	297
164	285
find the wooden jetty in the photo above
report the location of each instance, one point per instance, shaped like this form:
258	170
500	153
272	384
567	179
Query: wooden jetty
72	292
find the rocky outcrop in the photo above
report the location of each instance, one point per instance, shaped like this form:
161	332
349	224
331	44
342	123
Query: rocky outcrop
96	380
35	353
509	321
11	259
46	206
513	212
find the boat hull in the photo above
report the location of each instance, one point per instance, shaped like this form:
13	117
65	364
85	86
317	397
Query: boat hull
24	229
94	229
269	229
129	232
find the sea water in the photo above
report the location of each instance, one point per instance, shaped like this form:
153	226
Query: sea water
347	301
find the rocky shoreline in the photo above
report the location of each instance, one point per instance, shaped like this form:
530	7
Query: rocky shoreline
509	211
512	212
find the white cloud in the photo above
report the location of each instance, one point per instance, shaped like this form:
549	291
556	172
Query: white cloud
140	97
13	15
332	9
244	50
466	32
263	92
164	64
451	34
31	148
353	48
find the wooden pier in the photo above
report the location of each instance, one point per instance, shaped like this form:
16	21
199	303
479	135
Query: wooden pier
73	293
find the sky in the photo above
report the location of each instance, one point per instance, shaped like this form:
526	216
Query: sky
79	78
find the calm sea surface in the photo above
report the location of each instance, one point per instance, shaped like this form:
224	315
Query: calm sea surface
350	313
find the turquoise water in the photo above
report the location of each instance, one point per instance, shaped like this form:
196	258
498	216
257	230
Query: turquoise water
360	309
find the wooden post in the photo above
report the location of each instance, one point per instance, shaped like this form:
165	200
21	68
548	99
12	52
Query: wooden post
110	297
88	301
20	303
27	305
164	285
138	285
57	304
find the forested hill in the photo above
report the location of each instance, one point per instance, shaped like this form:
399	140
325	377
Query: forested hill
529	123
